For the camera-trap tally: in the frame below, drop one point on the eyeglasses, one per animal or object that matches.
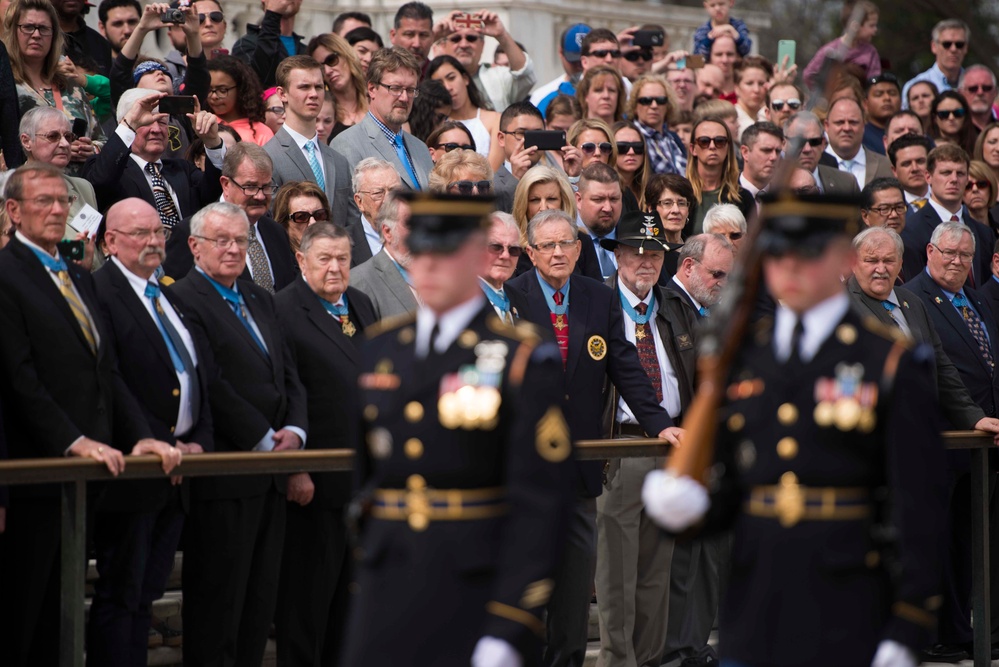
(944, 114)
(884, 210)
(624, 147)
(634, 56)
(29, 29)
(951, 255)
(48, 201)
(670, 203)
(215, 17)
(518, 133)
(221, 91)
(376, 195)
(647, 101)
(497, 249)
(733, 236)
(793, 104)
(252, 190)
(143, 234)
(717, 275)
(985, 88)
(278, 111)
(397, 91)
(704, 142)
(602, 148)
(549, 247)
(814, 142)
(953, 45)
(981, 185)
(242, 242)
(303, 217)
(452, 146)
(456, 39)
(471, 187)
(332, 60)
(54, 136)
(603, 53)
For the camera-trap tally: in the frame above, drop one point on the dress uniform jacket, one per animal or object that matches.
(432, 582)
(812, 462)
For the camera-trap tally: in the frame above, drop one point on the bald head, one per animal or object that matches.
(135, 236)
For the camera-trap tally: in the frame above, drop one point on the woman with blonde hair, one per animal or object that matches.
(980, 194)
(987, 147)
(462, 172)
(594, 141)
(632, 165)
(344, 78)
(651, 107)
(298, 205)
(713, 172)
(601, 94)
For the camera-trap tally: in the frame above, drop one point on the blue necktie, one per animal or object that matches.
(890, 307)
(317, 170)
(975, 327)
(400, 149)
(702, 311)
(182, 362)
(605, 258)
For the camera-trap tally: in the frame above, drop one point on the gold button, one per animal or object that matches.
(176, 392)
(371, 412)
(787, 448)
(383, 366)
(416, 483)
(418, 522)
(787, 414)
(468, 339)
(171, 429)
(736, 422)
(413, 411)
(846, 334)
(406, 335)
(413, 448)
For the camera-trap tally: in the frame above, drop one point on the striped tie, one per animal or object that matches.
(66, 288)
(258, 262)
(976, 328)
(164, 202)
(317, 170)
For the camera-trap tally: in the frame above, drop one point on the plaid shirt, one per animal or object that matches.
(394, 137)
(665, 152)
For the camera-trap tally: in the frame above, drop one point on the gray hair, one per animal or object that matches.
(388, 214)
(951, 24)
(35, 117)
(860, 239)
(721, 215)
(246, 151)
(951, 229)
(802, 117)
(976, 68)
(366, 165)
(221, 209)
(323, 230)
(129, 99)
(505, 219)
(549, 216)
(696, 246)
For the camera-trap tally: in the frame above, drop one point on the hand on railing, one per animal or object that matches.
(168, 454)
(672, 435)
(989, 425)
(106, 454)
(186, 448)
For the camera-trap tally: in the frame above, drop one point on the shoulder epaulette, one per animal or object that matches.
(894, 334)
(523, 331)
(390, 324)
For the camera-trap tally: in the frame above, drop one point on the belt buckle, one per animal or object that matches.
(417, 504)
(789, 500)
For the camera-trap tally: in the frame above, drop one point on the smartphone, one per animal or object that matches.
(546, 140)
(71, 250)
(177, 105)
(693, 62)
(786, 48)
(466, 21)
(80, 127)
(648, 38)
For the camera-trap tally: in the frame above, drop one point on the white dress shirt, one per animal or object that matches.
(944, 214)
(819, 323)
(267, 257)
(859, 167)
(450, 324)
(899, 314)
(371, 235)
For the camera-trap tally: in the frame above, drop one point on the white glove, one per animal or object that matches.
(493, 652)
(892, 654)
(675, 503)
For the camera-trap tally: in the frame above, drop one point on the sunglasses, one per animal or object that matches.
(634, 56)
(647, 101)
(497, 249)
(954, 45)
(54, 136)
(603, 53)
(456, 39)
(332, 60)
(451, 146)
(734, 236)
(704, 142)
(471, 187)
(974, 90)
(981, 185)
(793, 104)
(624, 147)
(302, 217)
(589, 148)
(944, 114)
(814, 142)
(216, 17)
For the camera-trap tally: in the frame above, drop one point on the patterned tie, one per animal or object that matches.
(647, 353)
(317, 170)
(66, 288)
(161, 195)
(400, 149)
(258, 262)
(561, 335)
(919, 203)
(975, 327)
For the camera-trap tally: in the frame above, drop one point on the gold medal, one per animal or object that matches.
(347, 326)
(824, 413)
(597, 347)
(868, 420)
(560, 322)
(847, 413)
(447, 411)
(639, 331)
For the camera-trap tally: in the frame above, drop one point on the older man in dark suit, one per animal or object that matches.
(324, 320)
(62, 396)
(138, 524)
(235, 530)
(504, 251)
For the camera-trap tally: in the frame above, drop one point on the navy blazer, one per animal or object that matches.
(594, 315)
(919, 226)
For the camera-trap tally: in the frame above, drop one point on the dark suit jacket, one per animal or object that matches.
(328, 366)
(746, 204)
(284, 269)
(54, 390)
(10, 141)
(360, 251)
(919, 226)
(587, 265)
(955, 401)
(252, 392)
(148, 371)
(594, 316)
(504, 187)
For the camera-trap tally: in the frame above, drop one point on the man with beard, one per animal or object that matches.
(978, 85)
(117, 20)
(882, 100)
(598, 200)
(412, 31)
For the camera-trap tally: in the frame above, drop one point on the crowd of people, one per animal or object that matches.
(196, 246)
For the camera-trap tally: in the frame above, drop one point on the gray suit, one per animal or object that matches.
(290, 164)
(955, 401)
(877, 166)
(836, 182)
(381, 281)
(504, 185)
(366, 139)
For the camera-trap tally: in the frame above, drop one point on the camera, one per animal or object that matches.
(175, 16)
(648, 38)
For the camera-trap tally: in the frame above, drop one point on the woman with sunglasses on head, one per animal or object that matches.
(651, 105)
(235, 97)
(344, 78)
(601, 94)
(297, 205)
(462, 172)
(713, 172)
(430, 108)
(273, 109)
(920, 101)
(449, 136)
(466, 107)
(631, 167)
(950, 121)
(980, 194)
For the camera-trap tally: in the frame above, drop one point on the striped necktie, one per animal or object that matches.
(66, 288)
(258, 262)
(161, 195)
(317, 170)
(975, 326)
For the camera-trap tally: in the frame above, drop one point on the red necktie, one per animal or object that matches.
(561, 325)
(647, 353)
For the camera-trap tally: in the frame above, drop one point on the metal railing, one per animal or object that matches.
(72, 474)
